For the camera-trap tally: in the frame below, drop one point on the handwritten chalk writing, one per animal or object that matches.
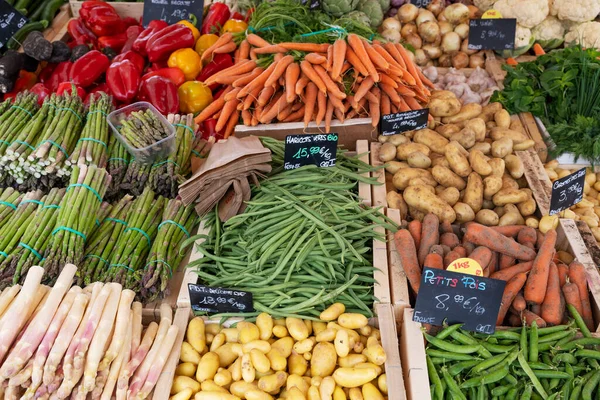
(392, 124)
(319, 150)
(219, 300)
(430, 277)
(423, 320)
(492, 34)
(10, 22)
(567, 191)
(172, 11)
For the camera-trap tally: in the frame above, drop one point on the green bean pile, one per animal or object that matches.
(519, 363)
(303, 242)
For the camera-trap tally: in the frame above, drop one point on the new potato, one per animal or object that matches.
(431, 139)
(427, 202)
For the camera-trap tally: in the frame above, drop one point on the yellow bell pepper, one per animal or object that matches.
(234, 26)
(195, 30)
(204, 42)
(186, 60)
(194, 96)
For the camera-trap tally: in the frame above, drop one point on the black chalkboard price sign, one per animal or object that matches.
(10, 22)
(458, 298)
(317, 149)
(567, 191)
(392, 124)
(173, 11)
(215, 300)
(492, 34)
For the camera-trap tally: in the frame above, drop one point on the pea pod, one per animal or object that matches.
(447, 331)
(567, 358)
(500, 390)
(461, 366)
(532, 377)
(533, 343)
(553, 336)
(485, 379)
(497, 348)
(447, 355)
(523, 342)
(435, 379)
(579, 321)
(456, 348)
(465, 338)
(487, 364)
(452, 386)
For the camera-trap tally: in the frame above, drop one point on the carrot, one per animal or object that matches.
(246, 117)
(338, 57)
(221, 41)
(468, 246)
(309, 101)
(315, 58)
(278, 104)
(301, 84)
(364, 88)
(529, 317)
(212, 108)
(390, 91)
(527, 237)
(228, 109)
(514, 320)
(492, 267)
(578, 276)
(279, 70)
(251, 98)
(462, 252)
(296, 115)
(512, 288)
(329, 62)
(414, 227)
(237, 69)
(226, 48)
(433, 260)
(328, 116)
(337, 103)
(538, 278)
(540, 238)
(512, 61)
(359, 49)
(445, 226)
(277, 56)
(253, 55)
(538, 50)
(386, 105)
(312, 75)
(482, 255)
(258, 81)
(571, 292)
(265, 95)
(292, 74)
(405, 245)
(563, 273)
(373, 95)
(424, 79)
(387, 57)
(270, 49)
(356, 62)
(329, 84)
(388, 80)
(230, 127)
(307, 47)
(451, 257)
(412, 103)
(393, 51)
(449, 239)
(256, 40)
(243, 81)
(484, 236)
(430, 235)
(322, 107)
(244, 51)
(231, 94)
(376, 58)
(410, 66)
(508, 230)
(553, 307)
(437, 249)
(505, 261)
(339, 114)
(508, 273)
(519, 303)
(405, 92)
(283, 114)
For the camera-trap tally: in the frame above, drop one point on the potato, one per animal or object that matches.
(223, 377)
(509, 183)
(185, 394)
(181, 383)
(488, 111)
(474, 192)
(484, 147)
(450, 195)
(323, 361)
(487, 204)
(395, 200)
(209, 364)
(397, 139)
(502, 119)
(423, 200)
(419, 160)
(283, 346)
(487, 217)
(265, 325)
(195, 335)
(404, 150)
(342, 343)
(375, 354)
(297, 381)
(272, 383)
(447, 130)
(354, 377)
(248, 332)
(261, 345)
(241, 388)
(186, 369)
(431, 139)
(511, 218)
(382, 383)
(394, 166)
(464, 213)
(532, 222)
(479, 163)
(489, 126)
(514, 165)
(467, 112)
(352, 321)
(416, 214)
(214, 396)
(297, 329)
(509, 196)
(498, 166)
(280, 331)
(457, 160)
(502, 147)
(260, 361)
(524, 145)
(527, 207)
(382, 139)
(387, 152)
(445, 177)
(403, 177)
(189, 354)
(491, 186)
(516, 136)
(444, 106)
(437, 159)
(326, 388)
(232, 334)
(351, 360)
(477, 125)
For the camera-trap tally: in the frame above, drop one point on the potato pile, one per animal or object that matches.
(464, 169)
(283, 358)
(588, 210)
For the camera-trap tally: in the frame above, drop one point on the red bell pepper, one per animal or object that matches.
(80, 33)
(130, 21)
(61, 73)
(139, 44)
(123, 79)
(161, 93)
(25, 81)
(135, 58)
(217, 15)
(115, 42)
(209, 130)
(88, 68)
(218, 94)
(165, 41)
(219, 63)
(175, 75)
(42, 92)
(157, 65)
(71, 88)
(101, 18)
(133, 32)
(238, 16)
(46, 72)
(101, 87)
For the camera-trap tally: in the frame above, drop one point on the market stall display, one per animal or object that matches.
(470, 86)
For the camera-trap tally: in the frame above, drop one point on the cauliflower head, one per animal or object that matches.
(528, 13)
(550, 33)
(523, 42)
(586, 34)
(575, 10)
(484, 5)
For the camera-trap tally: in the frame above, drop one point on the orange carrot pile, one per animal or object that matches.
(539, 285)
(351, 78)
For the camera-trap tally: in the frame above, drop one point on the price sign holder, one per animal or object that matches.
(458, 298)
(172, 11)
(213, 300)
(392, 124)
(317, 149)
(492, 34)
(10, 22)
(567, 191)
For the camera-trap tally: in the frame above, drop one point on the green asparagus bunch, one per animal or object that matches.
(9, 199)
(142, 129)
(5, 105)
(128, 256)
(177, 223)
(102, 242)
(34, 241)
(118, 162)
(77, 217)
(136, 177)
(14, 118)
(92, 146)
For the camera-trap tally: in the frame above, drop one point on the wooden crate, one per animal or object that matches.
(532, 130)
(412, 345)
(399, 287)
(60, 20)
(151, 311)
(124, 9)
(590, 241)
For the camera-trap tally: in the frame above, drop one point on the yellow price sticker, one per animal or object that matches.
(491, 14)
(466, 266)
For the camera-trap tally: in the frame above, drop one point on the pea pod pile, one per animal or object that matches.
(303, 242)
(556, 362)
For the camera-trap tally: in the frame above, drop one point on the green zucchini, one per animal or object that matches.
(15, 42)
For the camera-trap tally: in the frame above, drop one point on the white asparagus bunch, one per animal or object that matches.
(66, 342)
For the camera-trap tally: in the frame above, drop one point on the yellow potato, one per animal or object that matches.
(477, 126)
(195, 334)
(509, 196)
(259, 360)
(223, 377)
(532, 222)
(596, 233)
(296, 328)
(355, 394)
(323, 361)
(280, 331)
(227, 354)
(326, 388)
(431, 139)
(465, 137)
(394, 166)
(354, 377)
(265, 325)
(552, 175)
(382, 383)
(296, 394)
(457, 160)
(509, 183)
(444, 107)
(313, 393)
(342, 343)
(447, 130)
(450, 195)
(502, 147)
(406, 149)
(241, 388)
(236, 369)
(262, 345)
(438, 159)
(487, 217)
(351, 360)
(297, 381)
(218, 341)
(397, 139)
(352, 320)
(488, 111)
(305, 345)
(402, 178)
(328, 335)
(248, 370)
(527, 207)
(272, 383)
(498, 166)
(548, 222)
(491, 186)
(511, 218)
(464, 213)
(189, 354)
(479, 163)
(418, 160)
(424, 201)
(396, 201)
(276, 360)
(502, 119)
(339, 394)
(446, 177)
(332, 312)
(258, 395)
(516, 136)
(186, 369)
(467, 112)
(185, 394)
(298, 365)
(375, 354)
(387, 152)
(215, 396)
(181, 383)
(248, 332)
(284, 346)
(514, 165)
(484, 147)
(232, 335)
(524, 145)
(473, 195)
(208, 366)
